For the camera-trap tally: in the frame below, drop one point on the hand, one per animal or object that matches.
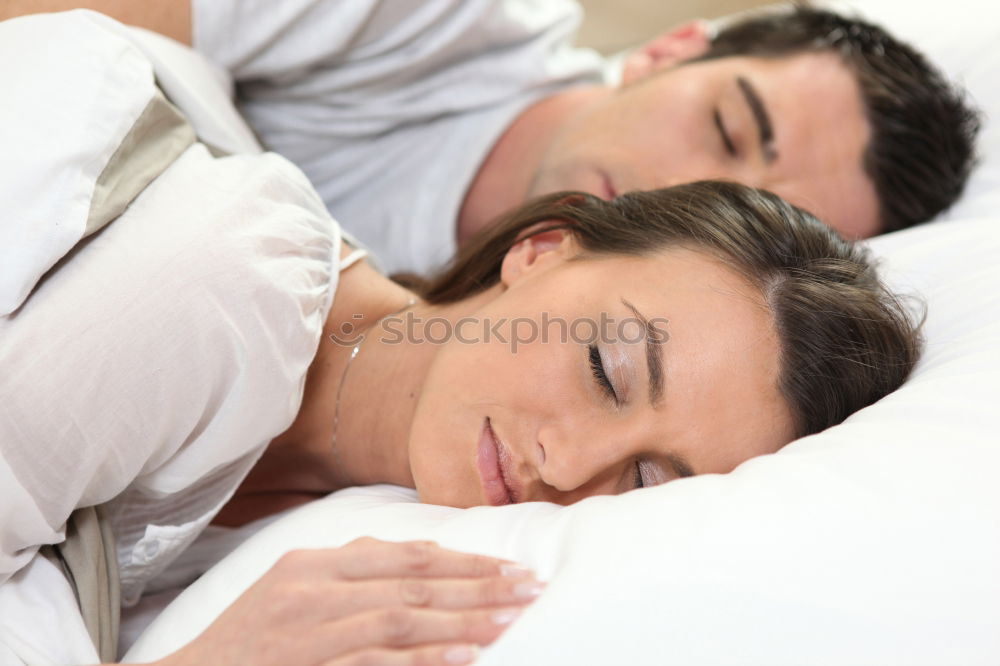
(369, 602)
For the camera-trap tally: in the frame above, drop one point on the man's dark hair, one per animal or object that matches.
(921, 147)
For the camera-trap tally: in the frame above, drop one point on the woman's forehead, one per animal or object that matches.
(720, 357)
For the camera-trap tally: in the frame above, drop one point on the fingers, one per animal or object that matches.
(369, 602)
(371, 558)
(398, 628)
(458, 594)
(446, 594)
(434, 655)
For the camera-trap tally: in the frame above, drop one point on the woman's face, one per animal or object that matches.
(603, 403)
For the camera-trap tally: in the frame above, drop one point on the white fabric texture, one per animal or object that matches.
(63, 146)
(192, 83)
(390, 106)
(156, 362)
(40, 621)
(173, 345)
(86, 118)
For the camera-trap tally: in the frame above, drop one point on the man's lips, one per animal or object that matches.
(491, 460)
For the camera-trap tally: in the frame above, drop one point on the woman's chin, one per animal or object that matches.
(429, 496)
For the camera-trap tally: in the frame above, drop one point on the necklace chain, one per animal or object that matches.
(338, 463)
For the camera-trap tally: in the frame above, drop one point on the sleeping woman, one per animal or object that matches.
(688, 330)
(585, 347)
(218, 354)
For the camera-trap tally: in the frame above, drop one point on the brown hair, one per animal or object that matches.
(923, 131)
(845, 340)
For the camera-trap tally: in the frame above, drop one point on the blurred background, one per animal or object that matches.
(613, 25)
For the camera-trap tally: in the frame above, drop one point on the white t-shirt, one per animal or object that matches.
(390, 106)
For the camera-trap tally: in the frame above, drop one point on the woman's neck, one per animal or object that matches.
(383, 387)
(377, 397)
(368, 450)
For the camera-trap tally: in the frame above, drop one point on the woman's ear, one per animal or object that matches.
(686, 41)
(529, 254)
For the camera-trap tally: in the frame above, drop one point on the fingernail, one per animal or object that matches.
(461, 654)
(515, 571)
(505, 616)
(528, 590)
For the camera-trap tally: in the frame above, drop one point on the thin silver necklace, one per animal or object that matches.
(340, 389)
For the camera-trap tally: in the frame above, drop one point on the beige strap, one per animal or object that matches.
(158, 137)
(89, 561)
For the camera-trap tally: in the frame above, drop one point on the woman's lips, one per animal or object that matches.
(491, 472)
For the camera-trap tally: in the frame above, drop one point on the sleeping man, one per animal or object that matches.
(418, 123)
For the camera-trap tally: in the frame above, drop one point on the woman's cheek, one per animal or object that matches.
(441, 452)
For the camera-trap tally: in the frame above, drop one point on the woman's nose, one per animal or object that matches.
(580, 462)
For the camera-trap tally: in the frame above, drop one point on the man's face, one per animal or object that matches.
(795, 126)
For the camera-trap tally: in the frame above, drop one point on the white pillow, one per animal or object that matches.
(875, 542)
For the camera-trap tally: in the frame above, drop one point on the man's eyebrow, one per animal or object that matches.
(760, 115)
(654, 357)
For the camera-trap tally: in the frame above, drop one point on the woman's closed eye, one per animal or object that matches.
(600, 375)
(648, 473)
(638, 483)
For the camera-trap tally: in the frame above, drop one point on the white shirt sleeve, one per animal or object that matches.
(390, 106)
(261, 39)
(169, 345)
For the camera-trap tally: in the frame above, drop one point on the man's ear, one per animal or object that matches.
(528, 254)
(686, 41)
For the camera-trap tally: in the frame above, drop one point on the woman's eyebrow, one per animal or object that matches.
(762, 118)
(654, 357)
(654, 363)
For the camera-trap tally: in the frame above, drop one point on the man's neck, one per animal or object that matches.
(504, 179)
